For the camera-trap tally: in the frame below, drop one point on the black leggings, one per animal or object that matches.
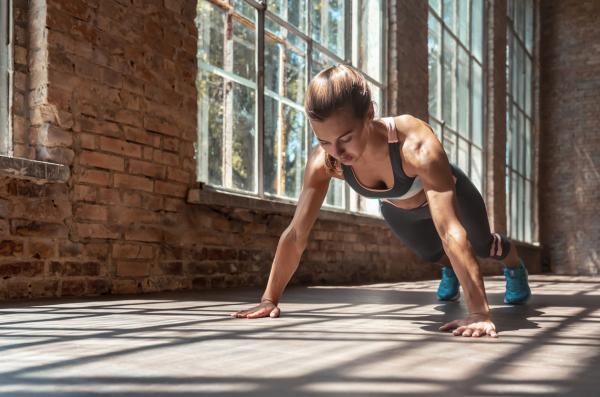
(415, 228)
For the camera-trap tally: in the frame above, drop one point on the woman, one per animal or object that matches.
(430, 204)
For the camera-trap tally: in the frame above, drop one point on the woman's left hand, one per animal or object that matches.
(475, 325)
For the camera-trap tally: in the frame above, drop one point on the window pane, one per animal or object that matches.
(450, 146)
(528, 218)
(462, 100)
(367, 32)
(513, 206)
(449, 80)
(210, 128)
(243, 133)
(477, 168)
(211, 25)
(527, 86)
(463, 22)
(529, 25)
(294, 155)
(515, 138)
(477, 28)
(327, 19)
(292, 11)
(335, 193)
(477, 99)
(527, 148)
(320, 62)
(271, 145)
(437, 128)
(463, 155)
(433, 45)
(448, 14)
(436, 5)
(243, 51)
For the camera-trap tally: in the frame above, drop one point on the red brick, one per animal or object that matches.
(120, 147)
(125, 215)
(133, 269)
(94, 230)
(170, 189)
(91, 212)
(148, 169)
(133, 182)
(102, 160)
(84, 193)
(176, 174)
(95, 177)
(132, 251)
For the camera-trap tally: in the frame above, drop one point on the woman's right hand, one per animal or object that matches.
(264, 309)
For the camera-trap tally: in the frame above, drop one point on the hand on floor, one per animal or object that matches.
(475, 325)
(262, 310)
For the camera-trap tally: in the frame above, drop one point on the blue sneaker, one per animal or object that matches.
(448, 288)
(517, 287)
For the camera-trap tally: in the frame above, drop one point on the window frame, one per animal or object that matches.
(262, 13)
(468, 48)
(518, 175)
(6, 75)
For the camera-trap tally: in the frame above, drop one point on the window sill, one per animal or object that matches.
(33, 169)
(209, 195)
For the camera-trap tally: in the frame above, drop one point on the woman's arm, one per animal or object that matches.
(294, 239)
(428, 158)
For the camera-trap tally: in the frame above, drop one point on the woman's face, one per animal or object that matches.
(342, 135)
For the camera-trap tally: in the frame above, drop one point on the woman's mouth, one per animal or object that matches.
(345, 159)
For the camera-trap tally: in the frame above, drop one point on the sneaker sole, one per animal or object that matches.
(452, 299)
(518, 302)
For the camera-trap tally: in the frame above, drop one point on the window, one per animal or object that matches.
(244, 151)
(519, 119)
(455, 46)
(5, 75)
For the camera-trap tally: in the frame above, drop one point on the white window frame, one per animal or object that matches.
(348, 204)
(6, 77)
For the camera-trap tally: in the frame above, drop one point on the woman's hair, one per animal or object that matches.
(336, 87)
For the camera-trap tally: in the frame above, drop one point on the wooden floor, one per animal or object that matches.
(371, 340)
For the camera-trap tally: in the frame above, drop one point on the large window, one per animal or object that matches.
(5, 75)
(456, 89)
(519, 119)
(255, 140)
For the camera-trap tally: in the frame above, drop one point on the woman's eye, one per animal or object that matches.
(346, 140)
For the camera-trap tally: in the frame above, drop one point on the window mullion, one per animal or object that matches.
(260, 97)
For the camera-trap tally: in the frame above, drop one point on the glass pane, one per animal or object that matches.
(244, 8)
(477, 29)
(513, 206)
(477, 101)
(528, 85)
(211, 25)
(527, 216)
(437, 128)
(294, 154)
(463, 22)
(320, 62)
(448, 14)
(515, 138)
(527, 148)
(327, 19)
(521, 161)
(520, 18)
(434, 59)
(366, 31)
(463, 155)
(243, 51)
(436, 5)
(210, 128)
(243, 134)
(271, 145)
(521, 196)
(462, 97)
(529, 25)
(370, 206)
(449, 80)
(450, 146)
(477, 168)
(377, 98)
(508, 189)
(284, 50)
(335, 193)
(292, 11)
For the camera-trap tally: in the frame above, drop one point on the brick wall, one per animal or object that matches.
(570, 143)
(107, 88)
